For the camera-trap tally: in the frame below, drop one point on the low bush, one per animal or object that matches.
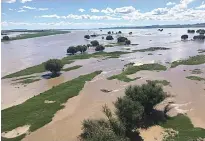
(99, 48)
(109, 37)
(94, 43)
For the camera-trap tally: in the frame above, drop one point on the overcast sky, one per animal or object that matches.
(40, 14)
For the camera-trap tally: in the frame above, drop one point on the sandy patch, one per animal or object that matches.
(48, 102)
(154, 133)
(16, 132)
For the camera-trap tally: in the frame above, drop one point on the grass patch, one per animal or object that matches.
(24, 78)
(133, 69)
(195, 60)
(72, 68)
(38, 34)
(163, 82)
(195, 78)
(196, 71)
(35, 112)
(201, 50)
(186, 130)
(66, 60)
(151, 49)
(109, 45)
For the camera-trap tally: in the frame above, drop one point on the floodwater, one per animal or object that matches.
(189, 95)
(20, 54)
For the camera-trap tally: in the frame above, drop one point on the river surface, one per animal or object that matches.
(20, 54)
(189, 95)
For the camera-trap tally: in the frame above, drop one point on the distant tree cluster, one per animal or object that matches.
(133, 111)
(123, 40)
(87, 36)
(109, 37)
(190, 31)
(184, 37)
(74, 49)
(6, 38)
(201, 31)
(94, 43)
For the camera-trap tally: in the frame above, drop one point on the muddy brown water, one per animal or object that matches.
(66, 124)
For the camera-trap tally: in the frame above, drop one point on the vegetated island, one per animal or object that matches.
(31, 34)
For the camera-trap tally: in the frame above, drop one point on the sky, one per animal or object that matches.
(78, 14)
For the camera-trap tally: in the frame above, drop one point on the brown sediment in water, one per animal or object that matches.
(66, 124)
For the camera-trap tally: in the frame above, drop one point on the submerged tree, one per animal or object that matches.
(121, 39)
(54, 66)
(109, 37)
(72, 50)
(127, 42)
(87, 36)
(184, 37)
(6, 38)
(82, 48)
(94, 43)
(99, 48)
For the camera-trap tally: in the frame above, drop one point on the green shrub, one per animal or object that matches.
(109, 37)
(99, 48)
(129, 112)
(109, 32)
(127, 42)
(82, 48)
(94, 43)
(148, 95)
(130, 33)
(6, 38)
(184, 37)
(87, 36)
(121, 39)
(53, 65)
(72, 50)
(120, 32)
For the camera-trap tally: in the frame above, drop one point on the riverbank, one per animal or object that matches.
(36, 34)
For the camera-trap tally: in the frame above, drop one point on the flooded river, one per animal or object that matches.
(189, 95)
(20, 54)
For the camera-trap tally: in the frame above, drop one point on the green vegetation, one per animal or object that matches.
(109, 45)
(195, 78)
(5, 38)
(66, 60)
(109, 37)
(133, 69)
(72, 50)
(151, 49)
(28, 81)
(99, 48)
(94, 43)
(163, 82)
(72, 68)
(54, 66)
(201, 50)
(196, 71)
(195, 60)
(132, 112)
(35, 112)
(24, 78)
(186, 131)
(38, 34)
(184, 37)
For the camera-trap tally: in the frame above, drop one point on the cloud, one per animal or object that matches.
(107, 10)
(80, 17)
(42, 9)
(24, 1)
(10, 9)
(81, 10)
(9, 1)
(170, 3)
(93, 10)
(21, 10)
(125, 10)
(160, 11)
(28, 7)
(202, 6)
